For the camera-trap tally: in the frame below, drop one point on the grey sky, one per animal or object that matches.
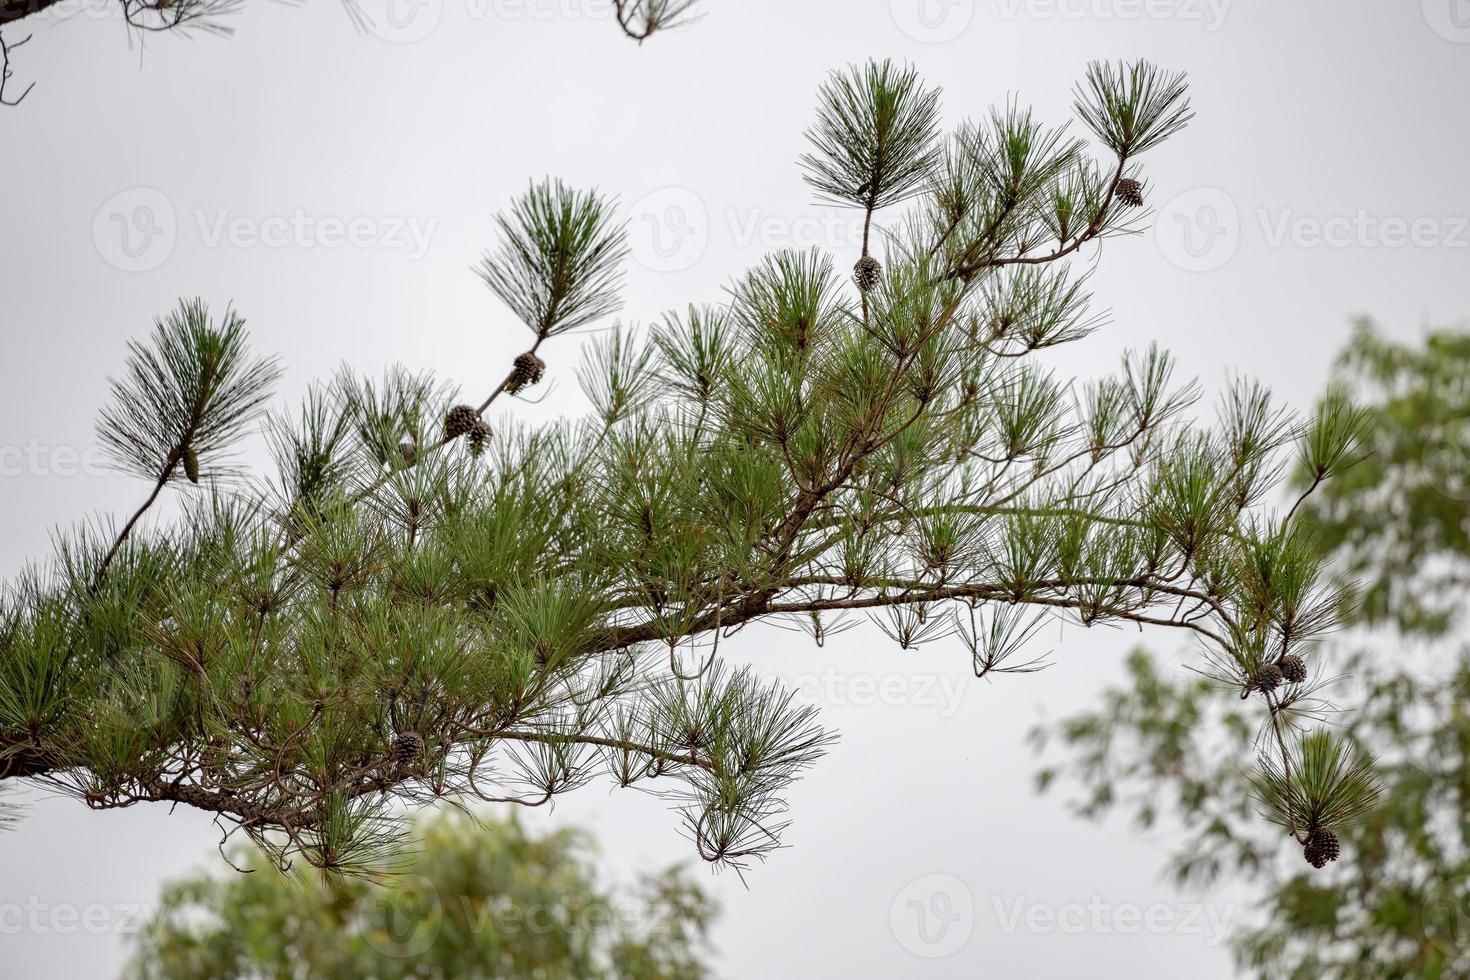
(336, 187)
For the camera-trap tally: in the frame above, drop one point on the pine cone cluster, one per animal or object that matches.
(1293, 668)
(1269, 678)
(867, 272)
(460, 421)
(1130, 192)
(1322, 847)
(527, 371)
(478, 436)
(407, 748)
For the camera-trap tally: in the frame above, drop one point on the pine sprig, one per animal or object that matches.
(1132, 107)
(559, 263)
(1322, 782)
(195, 387)
(876, 137)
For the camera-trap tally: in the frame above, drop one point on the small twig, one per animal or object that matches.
(5, 48)
(137, 515)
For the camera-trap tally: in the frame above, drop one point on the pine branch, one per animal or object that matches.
(416, 608)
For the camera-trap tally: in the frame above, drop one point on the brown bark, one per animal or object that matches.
(14, 10)
(23, 764)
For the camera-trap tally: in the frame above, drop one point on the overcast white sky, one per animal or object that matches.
(336, 187)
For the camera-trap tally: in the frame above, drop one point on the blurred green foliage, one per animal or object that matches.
(475, 898)
(1170, 746)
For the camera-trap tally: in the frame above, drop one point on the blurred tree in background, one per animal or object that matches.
(477, 898)
(1398, 905)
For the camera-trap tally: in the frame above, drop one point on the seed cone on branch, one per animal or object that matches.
(478, 436)
(867, 272)
(407, 748)
(1130, 192)
(191, 464)
(1322, 847)
(460, 421)
(528, 371)
(1322, 781)
(1268, 678)
(1293, 668)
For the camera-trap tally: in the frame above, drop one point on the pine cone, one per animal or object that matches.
(409, 451)
(1322, 847)
(407, 748)
(191, 464)
(867, 272)
(460, 421)
(1293, 668)
(1268, 678)
(527, 371)
(1130, 192)
(479, 435)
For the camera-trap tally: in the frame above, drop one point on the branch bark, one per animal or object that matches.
(16, 10)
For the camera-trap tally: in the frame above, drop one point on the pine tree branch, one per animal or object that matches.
(6, 47)
(127, 529)
(12, 11)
